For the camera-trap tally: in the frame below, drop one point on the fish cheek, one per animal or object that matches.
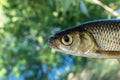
(76, 43)
(88, 43)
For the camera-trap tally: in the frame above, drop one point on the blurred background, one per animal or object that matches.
(25, 26)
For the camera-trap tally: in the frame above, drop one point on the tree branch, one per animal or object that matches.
(106, 7)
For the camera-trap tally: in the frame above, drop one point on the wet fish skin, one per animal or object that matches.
(98, 39)
(106, 33)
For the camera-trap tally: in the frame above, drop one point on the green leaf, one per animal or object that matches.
(83, 8)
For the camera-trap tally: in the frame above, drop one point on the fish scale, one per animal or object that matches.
(106, 34)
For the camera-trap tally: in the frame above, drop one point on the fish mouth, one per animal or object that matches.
(53, 46)
(52, 43)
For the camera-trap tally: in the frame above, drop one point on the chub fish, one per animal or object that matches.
(96, 39)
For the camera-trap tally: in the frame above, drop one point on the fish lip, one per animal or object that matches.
(51, 42)
(52, 45)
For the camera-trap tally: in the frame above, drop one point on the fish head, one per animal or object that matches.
(73, 42)
(66, 42)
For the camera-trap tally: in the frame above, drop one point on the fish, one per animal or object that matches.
(94, 39)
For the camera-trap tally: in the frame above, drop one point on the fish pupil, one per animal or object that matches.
(66, 38)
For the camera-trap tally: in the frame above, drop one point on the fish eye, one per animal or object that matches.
(67, 40)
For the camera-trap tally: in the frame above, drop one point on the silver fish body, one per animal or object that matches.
(98, 39)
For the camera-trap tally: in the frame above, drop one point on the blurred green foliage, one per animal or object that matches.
(25, 53)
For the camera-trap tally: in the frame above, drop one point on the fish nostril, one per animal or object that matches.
(50, 40)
